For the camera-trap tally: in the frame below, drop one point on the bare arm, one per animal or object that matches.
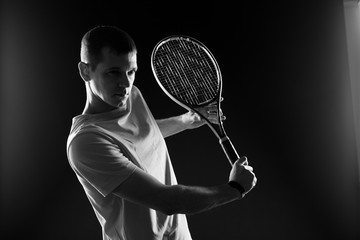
(189, 120)
(143, 189)
(173, 125)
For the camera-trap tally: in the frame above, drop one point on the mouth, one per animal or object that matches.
(121, 95)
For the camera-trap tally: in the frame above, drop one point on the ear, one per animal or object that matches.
(84, 71)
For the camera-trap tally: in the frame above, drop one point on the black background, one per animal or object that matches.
(287, 102)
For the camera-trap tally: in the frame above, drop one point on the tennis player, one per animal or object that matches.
(118, 153)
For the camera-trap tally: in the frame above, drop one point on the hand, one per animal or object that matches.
(243, 174)
(212, 114)
(193, 120)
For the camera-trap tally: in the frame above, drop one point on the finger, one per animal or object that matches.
(214, 112)
(249, 168)
(212, 109)
(243, 160)
(255, 180)
(213, 120)
(191, 112)
(196, 116)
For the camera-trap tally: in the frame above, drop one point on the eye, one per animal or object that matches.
(132, 72)
(113, 73)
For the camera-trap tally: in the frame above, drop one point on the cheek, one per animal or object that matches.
(101, 89)
(98, 88)
(105, 85)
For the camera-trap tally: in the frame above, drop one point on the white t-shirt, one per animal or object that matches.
(104, 150)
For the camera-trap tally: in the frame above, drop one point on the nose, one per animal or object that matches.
(124, 81)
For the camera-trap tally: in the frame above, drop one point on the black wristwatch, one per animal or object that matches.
(238, 187)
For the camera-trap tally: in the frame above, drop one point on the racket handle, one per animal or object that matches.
(229, 150)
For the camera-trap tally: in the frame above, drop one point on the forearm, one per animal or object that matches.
(171, 199)
(171, 126)
(192, 200)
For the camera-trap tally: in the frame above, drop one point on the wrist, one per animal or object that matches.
(238, 187)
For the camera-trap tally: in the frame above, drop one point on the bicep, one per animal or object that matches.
(142, 188)
(99, 161)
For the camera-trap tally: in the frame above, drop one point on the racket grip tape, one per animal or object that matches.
(229, 150)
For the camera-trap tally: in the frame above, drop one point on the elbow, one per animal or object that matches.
(173, 204)
(171, 208)
(168, 211)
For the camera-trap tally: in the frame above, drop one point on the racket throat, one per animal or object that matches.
(229, 149)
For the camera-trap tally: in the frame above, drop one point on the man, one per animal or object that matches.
(119, 155)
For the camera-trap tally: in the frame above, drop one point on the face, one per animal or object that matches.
(112, 80)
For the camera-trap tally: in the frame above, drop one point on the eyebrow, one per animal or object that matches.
(113, 68)
(119, 68)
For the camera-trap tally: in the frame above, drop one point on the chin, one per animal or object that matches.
(122, 104)
(118, 103)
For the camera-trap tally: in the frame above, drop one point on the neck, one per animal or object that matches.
(94, 104)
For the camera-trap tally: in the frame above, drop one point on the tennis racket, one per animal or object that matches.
(189, 74)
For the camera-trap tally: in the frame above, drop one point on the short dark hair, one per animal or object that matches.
(99, 37)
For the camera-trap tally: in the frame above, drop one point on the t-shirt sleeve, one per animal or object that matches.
(99, 161)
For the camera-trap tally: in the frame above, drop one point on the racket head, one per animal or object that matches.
(187, 71)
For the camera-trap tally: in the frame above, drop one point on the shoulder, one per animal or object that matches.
(87, 140)
(135, 91)
(89, 146)
(84, 134)
(137, 96)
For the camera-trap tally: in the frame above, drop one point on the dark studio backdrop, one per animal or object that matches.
(287, 102)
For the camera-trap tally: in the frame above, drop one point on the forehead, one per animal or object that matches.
(110, 59)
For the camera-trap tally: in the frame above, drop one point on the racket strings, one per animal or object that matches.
(186, 71)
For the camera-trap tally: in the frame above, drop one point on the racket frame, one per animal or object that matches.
(218, 129)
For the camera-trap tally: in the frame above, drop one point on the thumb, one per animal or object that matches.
(243, 160)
